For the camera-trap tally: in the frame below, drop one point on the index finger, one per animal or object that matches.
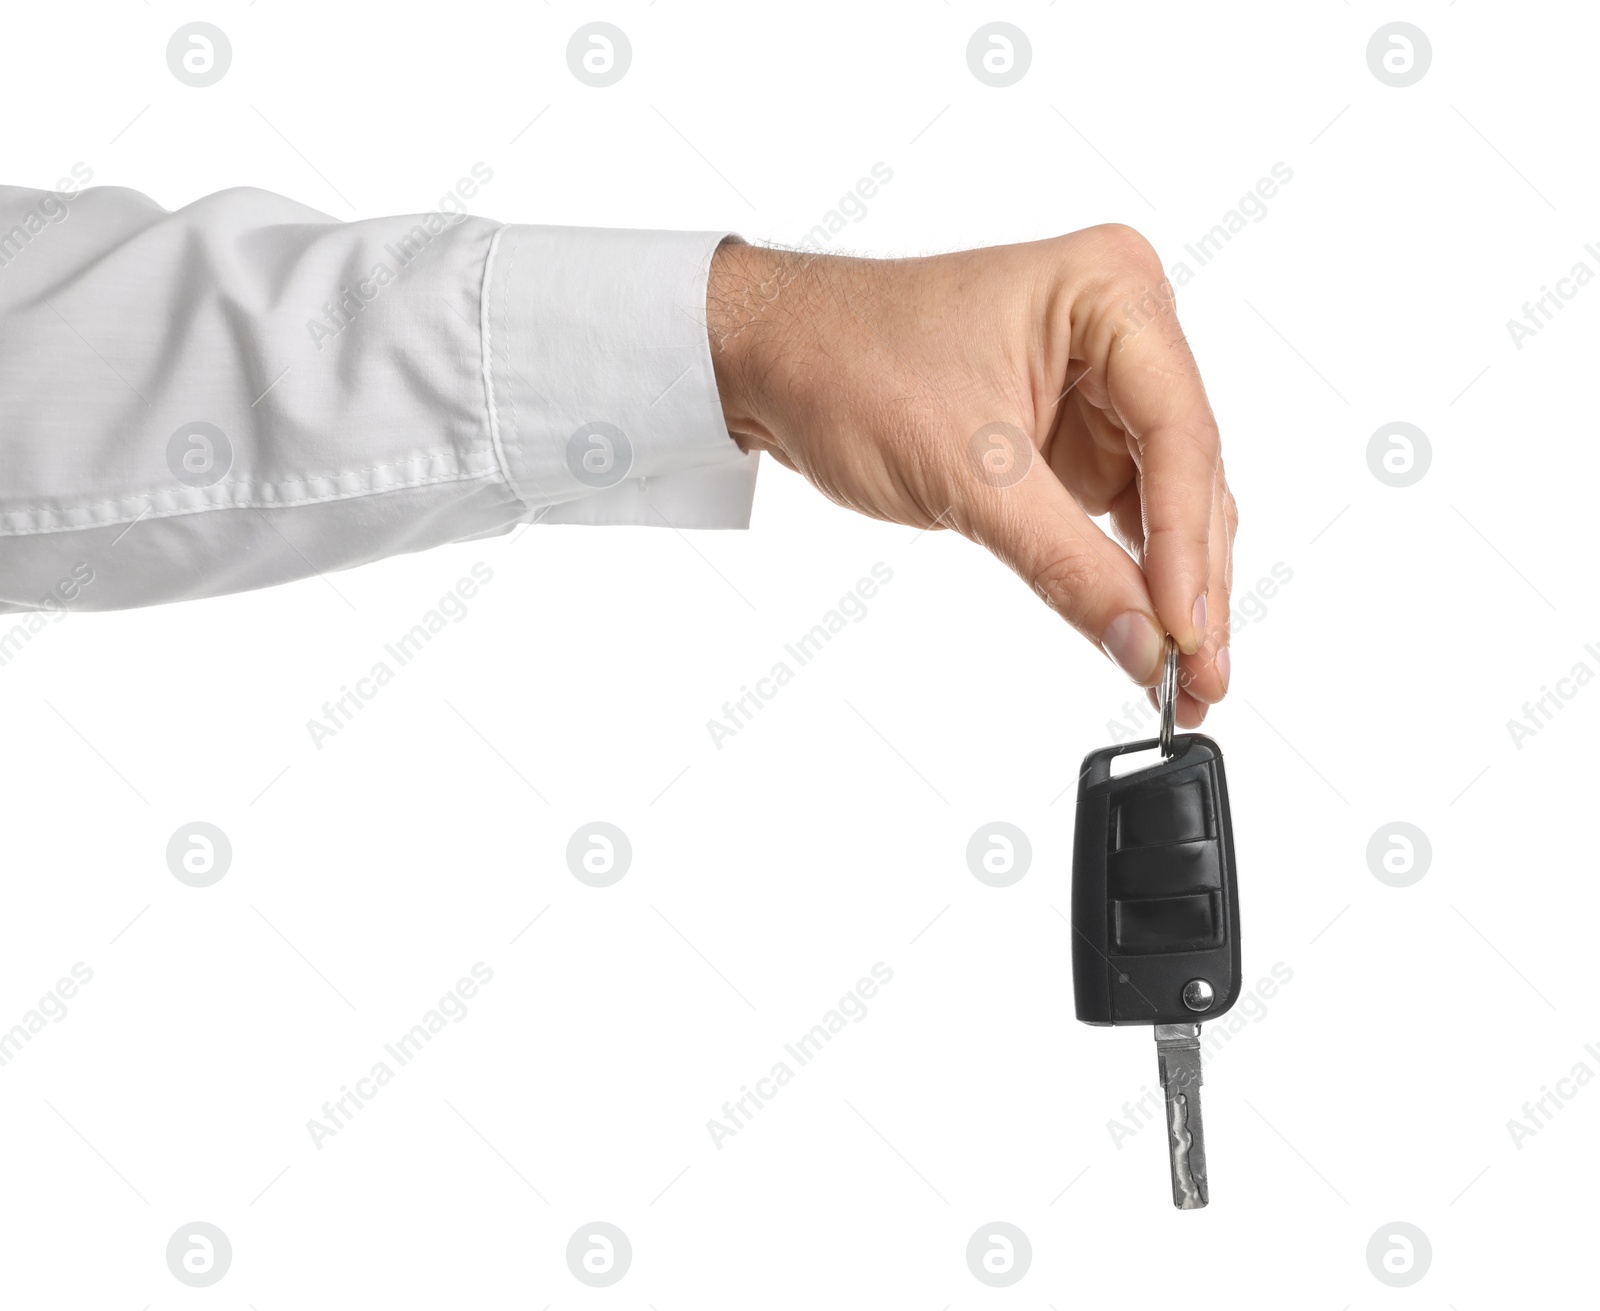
(1154, 386)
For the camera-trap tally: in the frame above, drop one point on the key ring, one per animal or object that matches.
(1168, 698)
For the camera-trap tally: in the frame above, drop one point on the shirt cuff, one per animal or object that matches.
(602, 397)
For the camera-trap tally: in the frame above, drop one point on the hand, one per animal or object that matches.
(1009, 393)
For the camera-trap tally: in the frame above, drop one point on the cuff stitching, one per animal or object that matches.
(486, 332)
(53, 514)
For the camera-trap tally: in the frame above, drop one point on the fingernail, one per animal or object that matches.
(1133, 642)
(1199, 617)
(1224, 667)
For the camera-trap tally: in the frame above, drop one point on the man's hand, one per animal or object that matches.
(1009, 393)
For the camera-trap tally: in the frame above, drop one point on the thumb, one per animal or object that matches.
(1037, 528)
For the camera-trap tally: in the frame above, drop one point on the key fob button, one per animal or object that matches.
(1166, 924)
(1175, 812)
(1166, 871)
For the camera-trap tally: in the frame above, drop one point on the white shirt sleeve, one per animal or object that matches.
(246, 391)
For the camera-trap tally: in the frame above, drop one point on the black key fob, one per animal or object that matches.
(1155, 901)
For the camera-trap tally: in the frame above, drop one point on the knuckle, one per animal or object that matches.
(1197, 439)
(1068, 583)
(1175, 537)
(1230, 512)
(1126, 250)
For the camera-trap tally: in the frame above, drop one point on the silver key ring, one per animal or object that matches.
(1168, 698)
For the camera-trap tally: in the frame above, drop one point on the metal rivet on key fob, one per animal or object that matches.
(1155, 912)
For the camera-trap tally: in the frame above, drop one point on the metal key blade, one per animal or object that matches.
(1178, 1058)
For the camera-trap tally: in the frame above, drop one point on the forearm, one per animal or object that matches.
(245, 391)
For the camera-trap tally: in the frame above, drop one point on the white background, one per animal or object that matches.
(368, 876)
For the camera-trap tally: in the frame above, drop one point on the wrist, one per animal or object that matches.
(752, 320)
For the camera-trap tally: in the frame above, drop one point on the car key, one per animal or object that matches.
(1155, 912)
